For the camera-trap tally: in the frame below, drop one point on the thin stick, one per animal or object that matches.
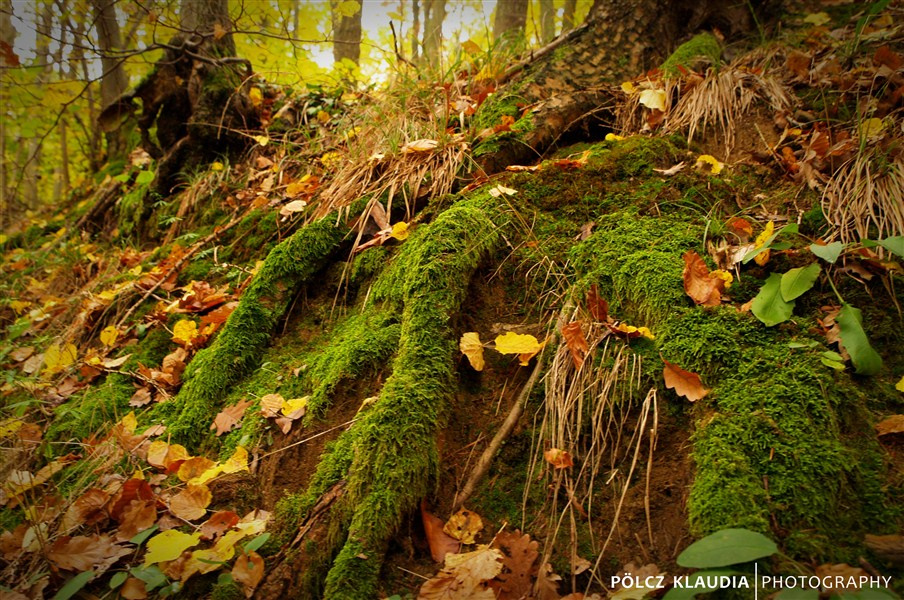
(486, 459)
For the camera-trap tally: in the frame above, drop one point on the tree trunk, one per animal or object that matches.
(547, 21)
(415, 31)
(434, 15)
(203, 18)
(8, 38)
(568, 15)
(114, 80)
(511, 17)
(346, 34)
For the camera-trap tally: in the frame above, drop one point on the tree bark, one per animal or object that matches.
(114, 80)
(434, 15)
(510, 19)
(568, 15)
(346, 34)
(547, 21)
(415, 31)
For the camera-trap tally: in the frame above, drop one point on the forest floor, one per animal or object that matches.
(281, 378)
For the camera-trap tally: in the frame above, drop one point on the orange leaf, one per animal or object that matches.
(560, 459)
(892, 424)
(133, 489)
(229, 417)
(191, 503)
(218, 523)
(439, 541)
(699, 283)
(684, 383)
(576, 342)
(248, 570)
(135, 518)
(599, 308)
(133, 589)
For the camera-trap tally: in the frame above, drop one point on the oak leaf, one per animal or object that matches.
(684, 383)
(520, 554)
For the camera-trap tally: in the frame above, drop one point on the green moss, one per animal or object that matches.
(98, 406)
(238, 347)
(636, 262)
(702, 46)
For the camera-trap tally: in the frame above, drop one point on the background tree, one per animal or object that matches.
(114, 80)
(346, 17)
(510, 18)
(434, 15)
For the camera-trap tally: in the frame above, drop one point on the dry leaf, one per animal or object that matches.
(87, 507)
(248, 570)
(471, 346)
(194, 467)
(464, 525)
(702, 286)
(218, 523)
(598, 308)
(501, 190)
(684, 383)
(292, 207)
(228, 419)
(673, 170)
(463, 577)
(890, 425)
(439, 541)
(84, 553)
(576, 342)
(132, 489)
(191, 503)
(519, 555)
(135, 518)
(21, 354)
(133, 589)
(419, 146)
(560, 459)
(271, 404)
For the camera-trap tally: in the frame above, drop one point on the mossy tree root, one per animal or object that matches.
(237, 348)
(389, 459)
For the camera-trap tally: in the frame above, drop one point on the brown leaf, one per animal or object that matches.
(132, 489)
(133, 589)
(887, 57)
(20, 354)
(218, 523)
(740, 227)
(560, 459)
(141, 397)
(599, 308)
(135, 518)
(799, 64)
(464, 525)
(576, 342)
(87, 507)
(228, 419)
(684, 383)
(699, 284)
(83, 553)
(463, 577)
(887, 547)
(890, 425)
(271, 405)
(219, 316)
(11, 542)
(248, 570)
(518, 568)
(191, 503)
(547, 586)
(439, 541)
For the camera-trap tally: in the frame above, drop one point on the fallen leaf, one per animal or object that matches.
(138, 516)
(168, 545)
(560, 459)
(576, 342)
(464, 526)
(440, 542)
(516, 343)
(654, 99)
(87, 507)
(132, 489)
(109, 335)
(228, 419)
(463, 577)
(523, 169)
(248, 570)
(133, 588)
(673, 170)
(471, 346)
(194, 467)
(21, 354)
(185, 332)
(501, 190)
(292, 207)
(890, 425)
(423, 145)
(85, 553)
(271, 404)
(703, 287)
(705, 160)
(599, 308)
(519, 555)
(191, 503)
(684, 383)
(218, 523)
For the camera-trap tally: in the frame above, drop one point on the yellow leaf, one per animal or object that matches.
(10, 426)
(237, 462)
(323, 116)
(644, 331)
(611, 137)
(715, 167)
(400, 231)
(464, 526)
(185, 331)
(331, 159)
(723, 275)
(653, 99)
(169, 545)
(872, 127)
(763, 257)
(19, 306)
(295, 404)
(470, 47)
(217, 165)
(817, 19)
(56, 359)
(900, 385)
(108, 335)
(347, 8)
(471, 347)
(262, 140)
(628, 87)
(515, 343)
(129, 423)
(257, 97)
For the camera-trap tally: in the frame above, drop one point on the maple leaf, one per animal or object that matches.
(464, 525)
(228, 419)
(576, 342)
(191, 503)
(471, 346)
(703, 287)
(684, 383)
(248, 570)
(84, 553)
(560, 459)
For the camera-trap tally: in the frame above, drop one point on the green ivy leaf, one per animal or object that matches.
(769, 306)
(850, 321)
(829, 252)
(798, 281)
(727, 547)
